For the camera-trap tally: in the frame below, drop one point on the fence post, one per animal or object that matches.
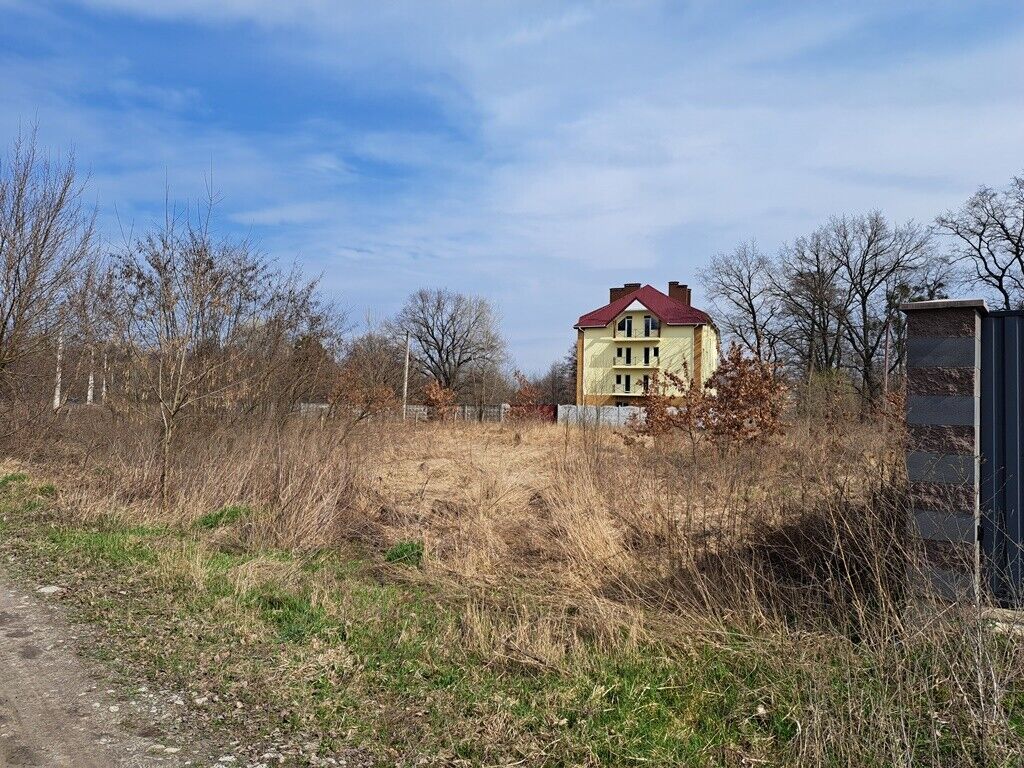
(944, 440)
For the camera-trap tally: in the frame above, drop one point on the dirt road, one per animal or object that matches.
(57, 709)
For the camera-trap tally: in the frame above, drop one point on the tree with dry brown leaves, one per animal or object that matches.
(667, 413)
(440, 400)
(748, 401)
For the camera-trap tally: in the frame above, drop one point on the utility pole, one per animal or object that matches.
(405, 379)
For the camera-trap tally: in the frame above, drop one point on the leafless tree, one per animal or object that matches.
(988, 232)
(808, 284)
(485, 383)
(879, 260)
(380, 360)
(453, 334)
(46, 238)
(557, 385)
(206, 322)
(747, 306)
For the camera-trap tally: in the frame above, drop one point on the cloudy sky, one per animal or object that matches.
(532, 152)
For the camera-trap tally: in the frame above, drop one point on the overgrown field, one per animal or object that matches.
(523, 594)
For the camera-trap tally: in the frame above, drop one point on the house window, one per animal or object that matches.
(651, 325)
(626, 325)
(618, 379)
(655, 351)
(618, 351)
(629, 355)
(647, 355)
(627, 382)
(647, 382)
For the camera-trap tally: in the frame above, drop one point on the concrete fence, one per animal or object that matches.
(944, 440)
(965, 455)
(593, 415)
(599, 415)
(480, 413)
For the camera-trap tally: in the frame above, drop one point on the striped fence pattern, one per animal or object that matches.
(944, 440)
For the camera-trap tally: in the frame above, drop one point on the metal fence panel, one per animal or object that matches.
(1002, 489)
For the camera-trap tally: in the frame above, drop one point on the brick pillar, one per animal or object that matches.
(943, 448)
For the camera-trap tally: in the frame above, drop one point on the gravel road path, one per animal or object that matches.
(57, 709)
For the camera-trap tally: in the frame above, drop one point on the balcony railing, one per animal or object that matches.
(636, 362)
(637, 334)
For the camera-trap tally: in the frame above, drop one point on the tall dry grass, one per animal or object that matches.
(561, 539)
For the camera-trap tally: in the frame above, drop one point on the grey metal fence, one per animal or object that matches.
(1002, 441)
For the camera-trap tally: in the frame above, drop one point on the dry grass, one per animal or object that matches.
(787, 565)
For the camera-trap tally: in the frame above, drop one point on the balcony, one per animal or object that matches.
(620, 362)
(619, 336)
(620, 389)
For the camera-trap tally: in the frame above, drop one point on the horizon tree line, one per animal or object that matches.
(180, 319)
(826, 305)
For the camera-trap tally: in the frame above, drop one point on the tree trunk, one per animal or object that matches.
(60, 363)
(165, 463)
(103, 380)
(92, 375)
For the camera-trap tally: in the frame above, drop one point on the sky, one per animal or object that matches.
(535, 153)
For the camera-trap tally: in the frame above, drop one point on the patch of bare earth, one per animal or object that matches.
(58, 709)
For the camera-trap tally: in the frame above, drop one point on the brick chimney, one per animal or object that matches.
(618, 293)
(679, 292)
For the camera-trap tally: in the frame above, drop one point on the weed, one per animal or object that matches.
(405, 553)
(222, 517)
(12, 479)
(745, 610)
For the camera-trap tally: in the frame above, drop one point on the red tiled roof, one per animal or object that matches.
(670, 311)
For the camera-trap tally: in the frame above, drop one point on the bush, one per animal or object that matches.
(440, 401)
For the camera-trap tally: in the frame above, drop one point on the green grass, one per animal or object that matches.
(15, 478)
(405, 553)
(293, 615)
(114, 547)
(331, 643)
(222, 517)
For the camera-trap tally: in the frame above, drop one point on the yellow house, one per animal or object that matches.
(641, 330)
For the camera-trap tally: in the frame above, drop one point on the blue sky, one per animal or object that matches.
(532, 152)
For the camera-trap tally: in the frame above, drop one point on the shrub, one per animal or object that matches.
(440, 400)
(665, 414)
(748, 402)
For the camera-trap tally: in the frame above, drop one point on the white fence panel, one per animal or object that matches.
(600, 415)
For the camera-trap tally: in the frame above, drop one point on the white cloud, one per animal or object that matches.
(589, 143)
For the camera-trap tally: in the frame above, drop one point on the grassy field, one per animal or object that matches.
(483, 595)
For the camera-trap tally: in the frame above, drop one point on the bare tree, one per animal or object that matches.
(46, 237)
(454, 334)
(879, 260)
(206, 323)
(814, 301)
(989, 234)
(747, 307)
(371, 376)
(558, 384)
